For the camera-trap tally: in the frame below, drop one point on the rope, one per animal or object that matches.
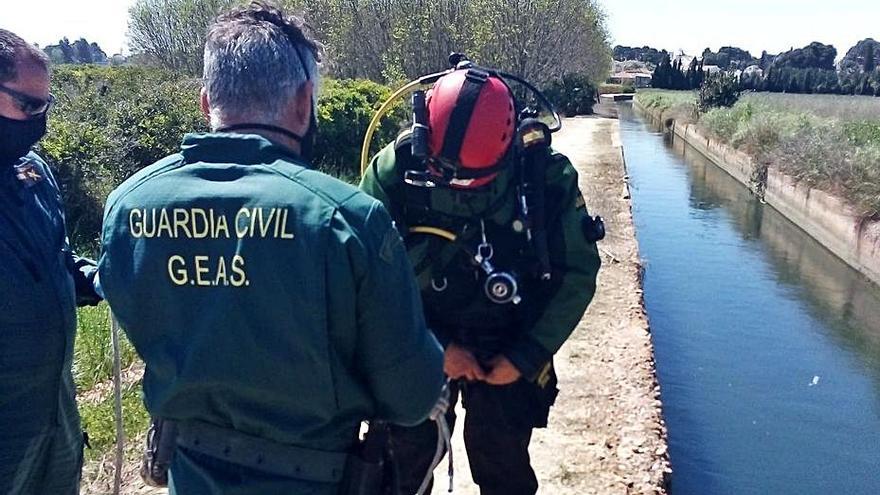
(117, 405)
(444, 443)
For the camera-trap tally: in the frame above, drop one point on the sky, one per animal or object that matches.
(691, 25)
(754, 25)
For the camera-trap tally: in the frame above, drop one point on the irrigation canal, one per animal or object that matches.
(767, 345)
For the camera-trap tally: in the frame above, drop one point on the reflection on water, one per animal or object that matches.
(768, 346)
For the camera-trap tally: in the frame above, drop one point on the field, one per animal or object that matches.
(830, 142)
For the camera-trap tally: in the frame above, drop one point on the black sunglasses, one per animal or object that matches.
(33, 107)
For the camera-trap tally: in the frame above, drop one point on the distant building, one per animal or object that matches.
(753, 70)
(635, 79)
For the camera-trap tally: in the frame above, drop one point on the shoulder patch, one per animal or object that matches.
(28, 173)
(389, 244)
(580, 202)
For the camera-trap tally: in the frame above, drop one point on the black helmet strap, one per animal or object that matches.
(460, 118)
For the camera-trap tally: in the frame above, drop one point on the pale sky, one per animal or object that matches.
(755, 25)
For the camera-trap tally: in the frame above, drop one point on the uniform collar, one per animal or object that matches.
(242, 149)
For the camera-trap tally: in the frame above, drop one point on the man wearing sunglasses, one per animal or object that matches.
(41, 282)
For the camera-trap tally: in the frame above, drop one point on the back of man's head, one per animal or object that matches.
(256, 59)
(14, 51)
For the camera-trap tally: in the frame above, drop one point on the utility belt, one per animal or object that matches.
(261, 454)
(366, 471)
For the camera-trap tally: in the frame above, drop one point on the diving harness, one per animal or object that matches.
(529, 154)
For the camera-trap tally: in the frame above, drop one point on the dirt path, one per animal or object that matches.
(606, 434)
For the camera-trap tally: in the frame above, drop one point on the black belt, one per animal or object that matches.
(261, 454)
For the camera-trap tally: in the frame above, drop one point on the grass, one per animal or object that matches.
(93, 368)
(99, 421)
(93, 356)
(829, 142)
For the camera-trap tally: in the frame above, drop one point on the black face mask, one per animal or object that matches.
(18, 136)
(306, 141)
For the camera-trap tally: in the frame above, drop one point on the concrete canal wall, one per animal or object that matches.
(829, 219)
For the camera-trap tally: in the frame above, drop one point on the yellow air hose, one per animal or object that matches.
(424, 82)
(384, 109)
(424, 229)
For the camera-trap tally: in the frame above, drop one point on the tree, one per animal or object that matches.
(80, 52)
(813, 56)
(691, 75)
(540, 40)
(67, 51)
(83, 51)
(860, 58)
(719, 90)
(172, 33)
(392, 40)
(644, 54)
(662, 77)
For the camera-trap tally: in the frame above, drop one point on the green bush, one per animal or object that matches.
(345, 109)
(863, 133)
(572, 94)
(718, 90)
(109, 123)
(605, 89)
(112, 121)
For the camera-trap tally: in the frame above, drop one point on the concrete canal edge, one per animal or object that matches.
(606, 433)
(829, 219)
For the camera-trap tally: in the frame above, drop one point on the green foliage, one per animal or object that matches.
(729, 57)
(718, 90)
(828, 142)
(93, 357)
(572, 95)
(79, 52)
(98, 419)
(861, 58)
(392, 40)
(110, 122)
(605, 89)
(669, 74)
(643, 54)
(665, 100)
(862, 133)
(813, 56)
(345, 109)
(171, 33)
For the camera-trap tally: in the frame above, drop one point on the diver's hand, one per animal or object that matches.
(503, 371)
(458, 363)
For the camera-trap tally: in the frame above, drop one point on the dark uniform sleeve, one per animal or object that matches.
(575, 264)
(401, 360)
(84, 272)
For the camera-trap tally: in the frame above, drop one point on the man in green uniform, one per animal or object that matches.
(41, 282)
(273, 305)
(503, 287)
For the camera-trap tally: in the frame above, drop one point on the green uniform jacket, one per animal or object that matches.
(40, 436)
(265, 298)
(535, 329)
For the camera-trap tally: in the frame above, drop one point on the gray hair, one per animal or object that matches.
(13, 49)
(256, 60)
